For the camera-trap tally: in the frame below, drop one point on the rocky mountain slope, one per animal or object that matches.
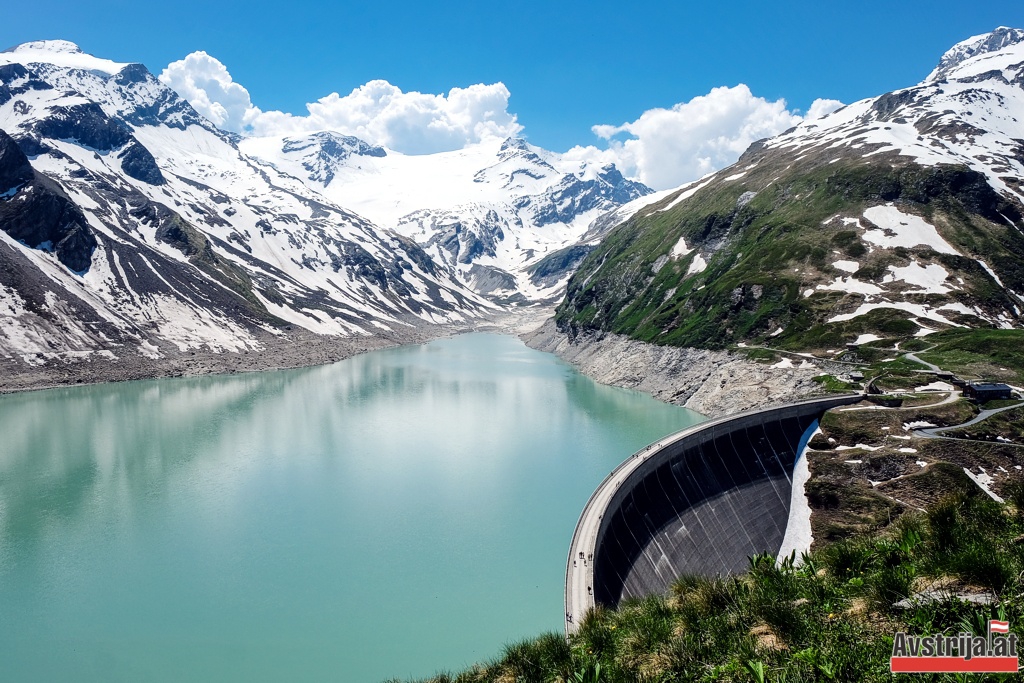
(132, 228)
(490, 212)
(892, 217)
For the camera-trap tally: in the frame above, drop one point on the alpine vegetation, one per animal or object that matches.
(895, 216)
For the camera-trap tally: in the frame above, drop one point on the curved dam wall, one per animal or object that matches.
(697, 502)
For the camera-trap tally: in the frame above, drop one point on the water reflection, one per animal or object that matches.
(393, 514)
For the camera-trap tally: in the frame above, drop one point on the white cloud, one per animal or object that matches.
(378, 112)
(668, 147)
(672, 146)
(663, 147)
(209, 88)
(412, 122)
(822, 107)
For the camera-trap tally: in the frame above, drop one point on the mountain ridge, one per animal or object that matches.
(497, 206)
(893, 216)
(135, 231)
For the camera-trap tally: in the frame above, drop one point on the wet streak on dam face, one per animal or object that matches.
(701, 502)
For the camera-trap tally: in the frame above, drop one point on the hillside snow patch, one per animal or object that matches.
(930, 278)
(680, 249)
(898, 229)
(697, 265)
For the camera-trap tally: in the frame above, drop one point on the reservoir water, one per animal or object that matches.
(396, 514)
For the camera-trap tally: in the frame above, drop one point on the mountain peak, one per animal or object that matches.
(323, 153)
(55, 46)
(520, 149)
(332, 144)
(993, 41)
(513, 143)
(60, 53)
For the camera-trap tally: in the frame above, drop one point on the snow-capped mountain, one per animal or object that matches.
(894, 216)
(131, 225)
(967, 111)
(490, 211)
(974, 46)
(323, 154)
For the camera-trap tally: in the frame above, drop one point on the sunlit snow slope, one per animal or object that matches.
(130, 224)
(489, 211)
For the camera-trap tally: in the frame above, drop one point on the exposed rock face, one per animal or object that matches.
(489, 280)
(464, 239)
(34, 210)
(14, 167)
(138, 163)
(88, 125)
(323, 153)
(553, 267)
(499, 206)
(714, 383)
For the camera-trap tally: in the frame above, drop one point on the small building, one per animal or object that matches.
(857, 376)
(987, 391)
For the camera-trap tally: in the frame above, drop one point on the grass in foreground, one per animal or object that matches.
(830, 618)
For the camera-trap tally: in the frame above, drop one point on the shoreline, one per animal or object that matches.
(712, 383)
(298, 349)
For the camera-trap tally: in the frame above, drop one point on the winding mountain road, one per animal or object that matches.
(934, 432)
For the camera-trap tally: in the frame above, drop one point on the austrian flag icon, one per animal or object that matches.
(996, 626)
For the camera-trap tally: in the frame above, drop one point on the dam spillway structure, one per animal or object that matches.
(700, 501)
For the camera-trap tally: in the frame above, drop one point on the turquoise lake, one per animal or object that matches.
(396, 514)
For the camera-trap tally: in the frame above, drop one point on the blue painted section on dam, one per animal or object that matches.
(701, 503)
(808, 433)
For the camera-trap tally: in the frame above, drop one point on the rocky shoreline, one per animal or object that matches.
(294, 348)
(713, 383)
(298, 348)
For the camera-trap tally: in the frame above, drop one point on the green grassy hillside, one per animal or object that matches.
(771, 237)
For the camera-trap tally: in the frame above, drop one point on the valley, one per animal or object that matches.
(140, 240)
(383, 427)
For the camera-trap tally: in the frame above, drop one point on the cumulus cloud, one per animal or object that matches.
(411, 122)
(668, 147)
(663, 147)
(822, 107)
(377, 112)
(209, 88)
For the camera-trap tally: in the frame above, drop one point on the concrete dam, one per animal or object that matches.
(700, 501)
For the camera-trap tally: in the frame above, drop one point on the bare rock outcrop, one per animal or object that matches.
(713, 383)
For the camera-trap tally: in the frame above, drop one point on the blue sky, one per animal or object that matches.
(567, 66)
